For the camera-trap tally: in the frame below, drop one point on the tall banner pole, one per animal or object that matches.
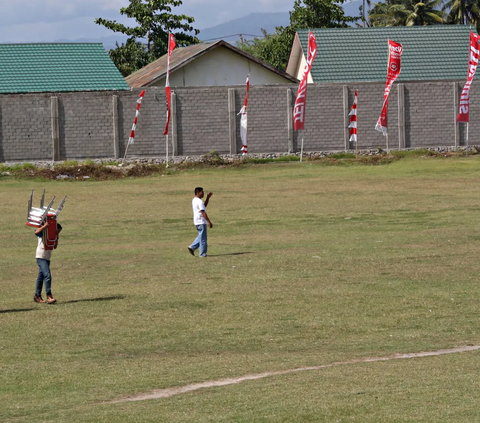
(466, 151)
(171, 46)
(473, 58)
(395, 51)
(166, 145)
(301, 149)
(301, 99)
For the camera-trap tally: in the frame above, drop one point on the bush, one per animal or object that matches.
(342, 156)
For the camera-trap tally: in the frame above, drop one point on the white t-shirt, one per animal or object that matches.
(198, 205)
(41, 252)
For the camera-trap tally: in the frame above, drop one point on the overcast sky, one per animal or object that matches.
(23, 21)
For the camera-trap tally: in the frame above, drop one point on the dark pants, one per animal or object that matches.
(44, 275)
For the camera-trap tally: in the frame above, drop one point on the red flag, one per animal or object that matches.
(473, 56)
(171, 46)
(394, 63)
(301, 100)
(353, 119)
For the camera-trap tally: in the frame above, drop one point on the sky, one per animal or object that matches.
(25, 21)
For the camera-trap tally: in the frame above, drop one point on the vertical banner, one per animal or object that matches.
(394, 63)
(243, 121)
(171, 46)
(131, 140)
(353, 120)
(301, 100)
(473, 56)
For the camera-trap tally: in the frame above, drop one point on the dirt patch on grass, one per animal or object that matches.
(169, 392)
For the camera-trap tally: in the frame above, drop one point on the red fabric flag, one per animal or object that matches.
(171, 46)
(473, 56)
(301, 100)
(394, 63)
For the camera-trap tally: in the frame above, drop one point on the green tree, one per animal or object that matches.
(154, 20)
(407, 13)
(463, 12)
(274, 49)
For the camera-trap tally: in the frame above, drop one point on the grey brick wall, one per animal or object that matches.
(86, 125)
(86, 120)
(202, 116)
(25, 128)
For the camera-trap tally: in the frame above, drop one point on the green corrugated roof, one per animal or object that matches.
(57, 67)
(436, 52)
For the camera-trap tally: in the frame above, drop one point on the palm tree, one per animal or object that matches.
(462, 11)
(407, 13)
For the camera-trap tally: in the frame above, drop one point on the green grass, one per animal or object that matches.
(309, 265)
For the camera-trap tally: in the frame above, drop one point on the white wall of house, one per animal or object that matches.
(301, 67)
(221, 66)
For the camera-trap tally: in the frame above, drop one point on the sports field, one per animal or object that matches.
(309, 266)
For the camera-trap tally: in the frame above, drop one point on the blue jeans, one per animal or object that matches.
(44, 275)
(201, 240)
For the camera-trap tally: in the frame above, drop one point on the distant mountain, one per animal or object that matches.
(248, 26)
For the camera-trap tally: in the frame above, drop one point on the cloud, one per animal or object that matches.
(50, 20)
(34, 11)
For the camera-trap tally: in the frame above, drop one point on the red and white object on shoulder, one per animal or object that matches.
(131, 140)
(353, 119)
(37, 217)
(244, 121)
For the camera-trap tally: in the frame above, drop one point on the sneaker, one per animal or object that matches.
(192, 252)
(38, 299)
(50, 299)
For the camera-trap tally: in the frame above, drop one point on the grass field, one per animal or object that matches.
(309, 265)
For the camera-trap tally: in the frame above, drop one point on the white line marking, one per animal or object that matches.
(170, 392)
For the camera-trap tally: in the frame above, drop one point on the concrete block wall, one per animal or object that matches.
(85, 125)
(98, 124)
(203, 120)
(429, 114)
(149, 139)
(267, 118)
(25, 128)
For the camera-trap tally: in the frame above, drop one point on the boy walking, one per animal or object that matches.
(43, 257)
(200, 220)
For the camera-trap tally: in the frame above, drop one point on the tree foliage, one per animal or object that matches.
(463, 12)
(274, 49)
(407, 13)
(154, 20)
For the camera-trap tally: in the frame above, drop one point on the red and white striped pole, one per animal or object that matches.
(353, 122)
(131, 140)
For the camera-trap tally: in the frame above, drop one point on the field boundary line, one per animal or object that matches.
(170, 392)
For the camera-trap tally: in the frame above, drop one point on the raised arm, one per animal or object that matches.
(208, 198)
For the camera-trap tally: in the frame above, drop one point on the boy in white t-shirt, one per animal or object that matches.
(43, 257)
(200, 220)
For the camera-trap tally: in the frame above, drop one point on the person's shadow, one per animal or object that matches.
(229, 254)
(19, 310)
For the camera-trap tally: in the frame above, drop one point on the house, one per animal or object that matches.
(344, 55)
(57, 67)
(208, 64)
